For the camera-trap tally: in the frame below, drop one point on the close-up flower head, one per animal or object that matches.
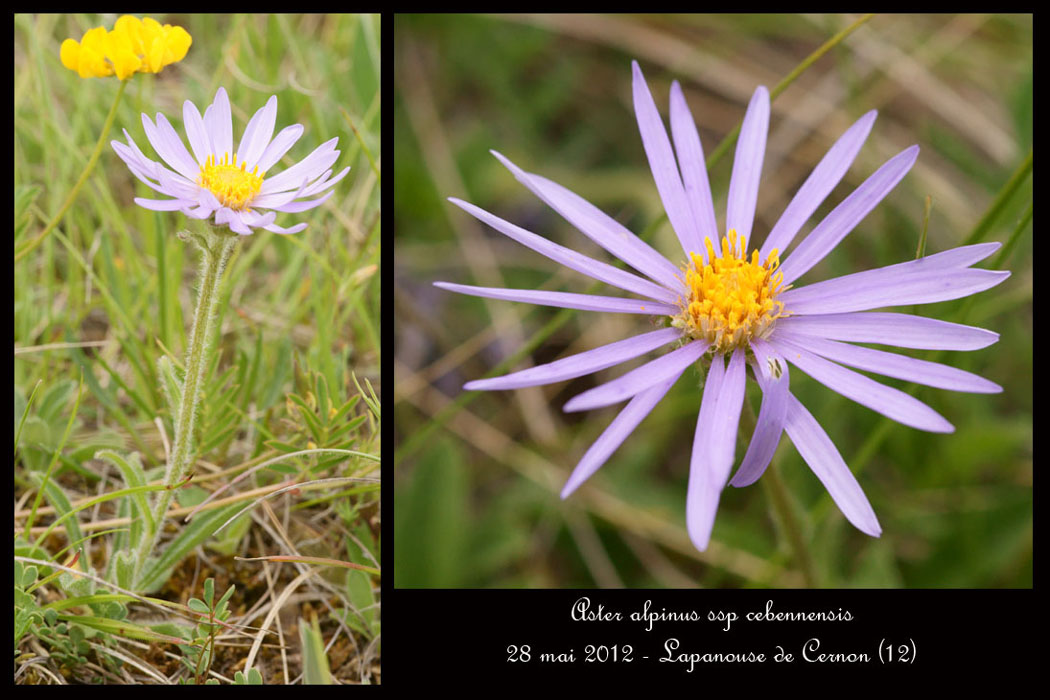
(227, 186)
(726, 302)
(132, 46)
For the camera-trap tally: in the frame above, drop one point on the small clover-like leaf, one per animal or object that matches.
(197, 605)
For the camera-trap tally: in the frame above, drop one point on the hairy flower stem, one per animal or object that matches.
(215, 249)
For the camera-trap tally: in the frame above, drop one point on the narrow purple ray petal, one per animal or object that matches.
(134, 158)
(770, 423)
(567, 300)
(570, 258)
(816, 448)
(322, 184)
(694, 168)
(884, 287)
(278, 199)
(818, 185)
(836, 225)
(296, 207)
(580, 364)
(198, 137)
(887, 328)
(219, 124)
(613, 436)
(206, 204)
(949, 260)
(725, 422)
(893, 365)
(880, 398)
(277, 229)
(307, 169)
(177, 185)
(138, 167)
(662, 163)
(639, 379)
(600, 227)
(257, 134)
(255, 219)
(161, 204)
(702, 494)
(168, 146)
(284, 140)
(142, 177)
(148, 165)
(747, 165)
(228, 217)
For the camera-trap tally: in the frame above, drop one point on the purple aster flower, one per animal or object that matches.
(734, 306)
(232, 186)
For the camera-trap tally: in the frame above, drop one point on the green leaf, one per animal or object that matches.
(60, 502)
(431, 521)
(125, 563)
(197, 605)
(132, 472)
(195, 533)
(226, 597)
(315, 662)
(55, 399)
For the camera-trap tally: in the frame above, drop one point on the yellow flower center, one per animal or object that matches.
(231, 184)
(731, 300)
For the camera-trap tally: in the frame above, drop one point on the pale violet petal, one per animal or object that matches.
(770, 424)
(747, 166)
(662, 163)
(293, 229)
(168, 146)
(843, 218)
(613, 436)
(701, 502)
(570, 258)
(888, 328)
(219, 123)
(892, 365)
(694, 168)
(161, 204)
(818, 186)
(567, 300)
(196, 132)
(890, 402)
(582, 363)
(827, 464)
(600, 227)
(257, 134)
(639, 379)
(284, 140)
(310, 167)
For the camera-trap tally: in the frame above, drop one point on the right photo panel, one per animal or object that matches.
(733, 301)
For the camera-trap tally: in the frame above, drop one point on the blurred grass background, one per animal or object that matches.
(108, 303)
(476, 498)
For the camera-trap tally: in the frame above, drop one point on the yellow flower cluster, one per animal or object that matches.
(134, 46)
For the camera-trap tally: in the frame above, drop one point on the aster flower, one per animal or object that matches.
(133, 46)
(735, 306)
(231, 186)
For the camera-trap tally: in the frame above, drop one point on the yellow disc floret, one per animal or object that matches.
(233, 185)
(731, 299)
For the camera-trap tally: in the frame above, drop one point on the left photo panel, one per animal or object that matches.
(197, 354)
